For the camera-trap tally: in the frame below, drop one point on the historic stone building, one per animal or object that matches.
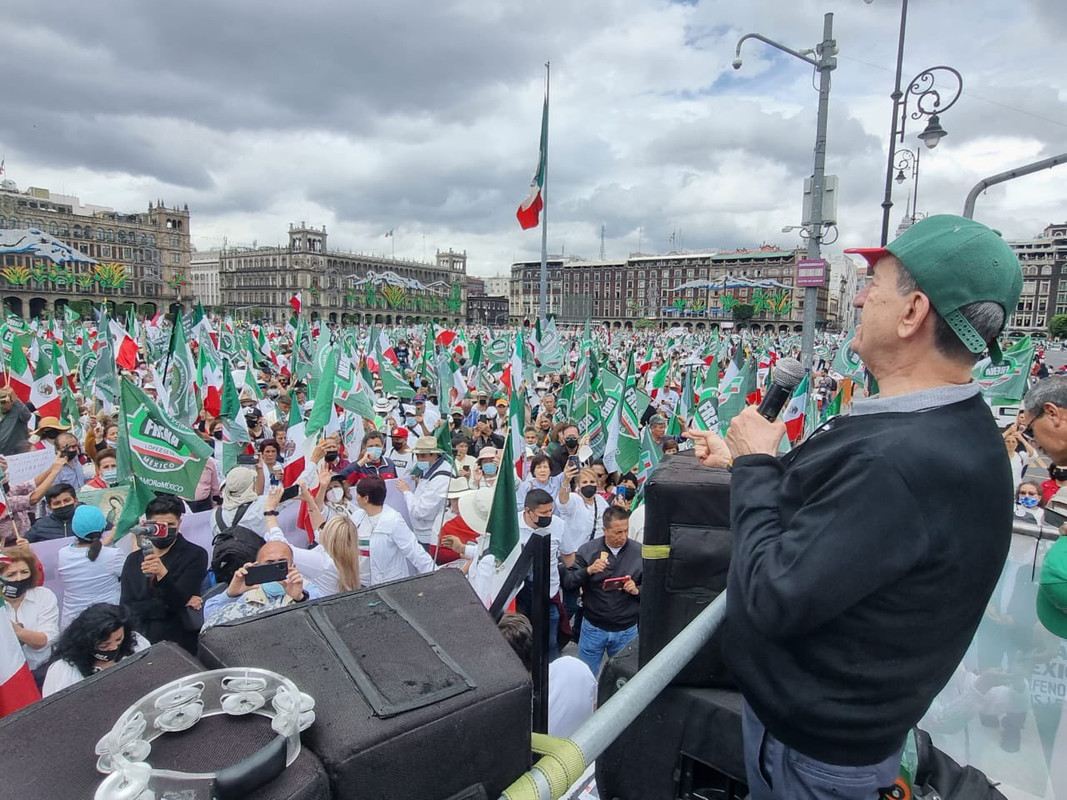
(257, 283)
(142, 259)
(1044, 264)
(204, 277)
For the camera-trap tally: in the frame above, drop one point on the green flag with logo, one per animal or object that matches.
(622, 452)
(180, 376)
(1006, 383)
(162, 452)
(734, 395)
(847, 363)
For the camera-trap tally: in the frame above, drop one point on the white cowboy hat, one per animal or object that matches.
(474, 508)
(458, 487)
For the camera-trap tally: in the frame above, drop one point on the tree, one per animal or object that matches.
(1057, 326)
(743, 312)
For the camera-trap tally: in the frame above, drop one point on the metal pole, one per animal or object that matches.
(1028, 169)
(540, 621)
(887, 202)
(544, 205)
(827, 63)
(915, 191)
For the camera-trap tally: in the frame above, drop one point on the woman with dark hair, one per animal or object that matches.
(392, 551)
(540, 477)
(98, 638)
(88, 571)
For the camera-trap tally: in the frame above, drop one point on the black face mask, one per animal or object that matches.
(331, 457)
(217, 435)
(543, 522)
(106, 655)
(163, 542)
(571, 442)
(64, 514)
(629, 493)
(588, 491)
(1058, 473)
(15, 589)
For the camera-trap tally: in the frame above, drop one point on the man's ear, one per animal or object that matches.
(916, 312)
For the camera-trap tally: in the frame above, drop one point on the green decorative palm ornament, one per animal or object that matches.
(455, 300)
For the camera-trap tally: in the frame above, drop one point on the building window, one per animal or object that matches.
(175, 258)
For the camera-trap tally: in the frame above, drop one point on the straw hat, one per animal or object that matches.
(51, 424)
(458, 487)
(426, 445)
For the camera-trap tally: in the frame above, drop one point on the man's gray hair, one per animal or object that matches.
(1052, 389)
(985, 316)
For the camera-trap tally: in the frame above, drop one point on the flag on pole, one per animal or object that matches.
(19, 372)
(126, 348)
(529, 212)
(733, 393)
(295, 302)
(622, 451)
(503, 523)
(43, 393)
(795, 411)
(179, 378)
(17, 687)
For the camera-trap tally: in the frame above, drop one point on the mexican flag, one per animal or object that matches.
(17, 688)
(209, 377)
(19, 373)
(43, 393)
(295, 302)
(162, 452)
(503, 523)
(126, 348)
(530, 210)
(794, 413)
(296, 432)
(516, 442)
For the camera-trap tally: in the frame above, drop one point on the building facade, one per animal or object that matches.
(487, 310)
(142, 259)
(1044, 261)
(643, 290)
(258, 283)
(204, 277)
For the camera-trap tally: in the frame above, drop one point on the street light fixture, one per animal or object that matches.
(824, 63)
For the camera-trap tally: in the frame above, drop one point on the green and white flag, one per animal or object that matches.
(323, 419)
(733, 395)
(179, 379)
(622, 452)
(499, 350)
(351, 390)
(162, 452)
(847, 363)
(650, 454)
(1006, 383)
(548, 350)
(706, 417)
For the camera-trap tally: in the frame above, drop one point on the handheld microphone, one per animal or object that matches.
(788, 373)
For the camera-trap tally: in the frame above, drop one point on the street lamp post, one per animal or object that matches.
(909, 160)
(824, 63)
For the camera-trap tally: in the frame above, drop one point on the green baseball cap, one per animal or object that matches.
(956, 261)
(1052, 590)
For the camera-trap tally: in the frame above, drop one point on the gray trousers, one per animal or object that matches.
(777, 772)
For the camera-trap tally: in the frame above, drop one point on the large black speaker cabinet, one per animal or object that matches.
(49, 746)
(418, 695)
(687, 548)
(687, 743)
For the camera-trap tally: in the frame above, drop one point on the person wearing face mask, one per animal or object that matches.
(393, 551)
(61, 500)
(569, 449)
(66, 445)
(241, 503)
(99, 638)
(399, 452)
(427, 500)
(1028, 502)
(336, 493)
(487, 468)
(159, 586)
(581, 510)
(372, 461)
(88, 571)
(106, 470)
(1056, 481)
(537, 514)
(32, 610)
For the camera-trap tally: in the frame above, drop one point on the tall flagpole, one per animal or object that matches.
(544, 204)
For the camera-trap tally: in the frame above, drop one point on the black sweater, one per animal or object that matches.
(613, 610)
(862, 563)
(157, 605)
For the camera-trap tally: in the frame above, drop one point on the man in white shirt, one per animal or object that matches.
(537, 515)
(426, 503)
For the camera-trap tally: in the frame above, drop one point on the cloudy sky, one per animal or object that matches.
(423, 116)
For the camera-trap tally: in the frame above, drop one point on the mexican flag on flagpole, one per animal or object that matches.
(516, 442)
(126, 348)
(17, 687)
(296, 432)
(530, 209)
(43, 393)
(163, 453)
(209, 377)
(19, 372)
(795, 411)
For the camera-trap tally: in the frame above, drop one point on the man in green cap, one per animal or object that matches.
(863, 559)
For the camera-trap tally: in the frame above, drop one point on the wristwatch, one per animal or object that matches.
(270, 513)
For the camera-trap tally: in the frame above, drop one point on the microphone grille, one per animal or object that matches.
(788, 372)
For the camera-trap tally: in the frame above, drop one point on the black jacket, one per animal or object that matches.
(157, 605)
(862, 564)
(613, 610)
(48, 527)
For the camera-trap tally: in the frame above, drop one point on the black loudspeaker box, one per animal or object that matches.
(50, 744)
(687, 548)
(418, 694)
(686, 744)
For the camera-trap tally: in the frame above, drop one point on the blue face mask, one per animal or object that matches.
(273, 590)
(489, 469)
(1028, 502)
(374, 452)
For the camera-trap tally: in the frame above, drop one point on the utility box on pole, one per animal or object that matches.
(829, 202)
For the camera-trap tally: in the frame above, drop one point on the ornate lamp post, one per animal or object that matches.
(907, 166)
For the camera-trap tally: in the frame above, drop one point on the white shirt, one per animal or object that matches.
(86, 582)
(555, 531)
(582, 521)
(426, 502)
(571, 695)
(38, 611)
(637, 524)
(403, 461)
(314, 565)
(63, 674)
(395, 553)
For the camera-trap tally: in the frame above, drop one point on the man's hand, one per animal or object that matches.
(453, 543)
(710, 449)
(153, 565)
(598, 566)
(750, 434)
(402, 486)
(196, 603)
(237, 585)
(630, 587)
(294, 583)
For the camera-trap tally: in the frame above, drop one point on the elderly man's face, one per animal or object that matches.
(1048, 428)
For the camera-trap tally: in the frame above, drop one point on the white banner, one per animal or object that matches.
(27, 466)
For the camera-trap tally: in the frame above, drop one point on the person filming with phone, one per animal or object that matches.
(608, 571)
(271, 581)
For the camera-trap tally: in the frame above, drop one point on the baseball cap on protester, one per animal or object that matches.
(1052, 590)
(956, 261)
(87, 520)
